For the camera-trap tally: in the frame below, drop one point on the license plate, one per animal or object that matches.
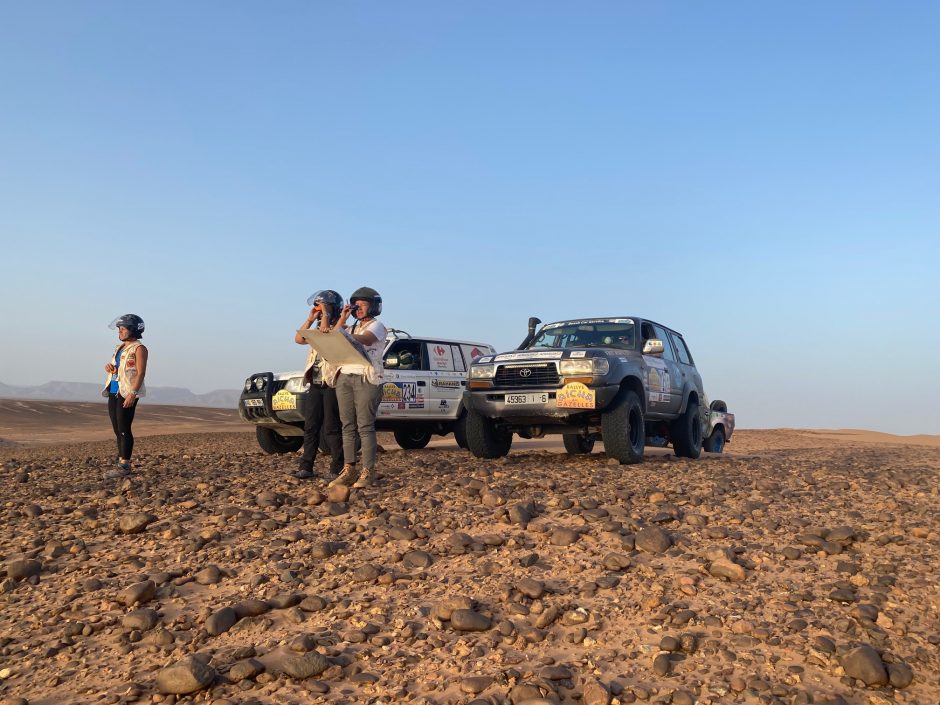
(536, 398)
(254, 402)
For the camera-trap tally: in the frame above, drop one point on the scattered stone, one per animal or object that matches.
(653, 539)
(864, 664)
(186, 676)
(465, 620)
(135, 523)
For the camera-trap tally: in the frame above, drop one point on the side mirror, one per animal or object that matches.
(392, 361)
(653, 346)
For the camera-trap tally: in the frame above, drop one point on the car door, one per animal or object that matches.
(404, 391)
(664, 378)
(690, 375)
(447, 379)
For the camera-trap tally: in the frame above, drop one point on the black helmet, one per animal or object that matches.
(332, 304)
(131, 321)
(364, 293)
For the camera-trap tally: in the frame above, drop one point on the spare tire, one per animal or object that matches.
(719, 405)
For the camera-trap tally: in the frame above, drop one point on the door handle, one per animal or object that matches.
(421, 384)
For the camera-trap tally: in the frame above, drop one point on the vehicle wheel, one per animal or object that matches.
(719, 405)
(623, 429)
(687, 433)
(715, 443)
(460, 430)
(273, 442)
(412, 437)
(576, 444)
(484, 439)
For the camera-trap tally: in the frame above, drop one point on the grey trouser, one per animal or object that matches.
(358, 403)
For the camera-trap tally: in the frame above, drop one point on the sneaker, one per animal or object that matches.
(366, 479)
(304, 474)
(347, 477)
(124, 468)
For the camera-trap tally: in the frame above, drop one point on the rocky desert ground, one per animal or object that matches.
(798, 567)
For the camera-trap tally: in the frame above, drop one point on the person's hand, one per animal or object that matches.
(129, 401)
(110, 368)
(324, 325)
(314, 312)
(344, 314)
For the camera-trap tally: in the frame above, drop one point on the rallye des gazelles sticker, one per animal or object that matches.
(551, 355)
(575, 395)
(403, 394)
(587, 321)
(657, 379)
(283, 401)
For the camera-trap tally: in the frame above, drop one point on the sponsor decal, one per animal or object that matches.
(484, 359)
(419, 405)
(445, 404)
(579, 353)
(283, 401)
(446, 383)
(657, 381)
(391, 392)
(254, 402)
(399, 392)
(575, 395)
(549, 355)
(587, 321)
(476, 352)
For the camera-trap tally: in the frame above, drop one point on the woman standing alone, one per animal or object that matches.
(125, 383)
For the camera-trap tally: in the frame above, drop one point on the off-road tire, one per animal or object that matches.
(623, 429)
(576, 444)
(719, 405)
(412, 437)
(687, 432)
(484, 439)
(715, 443)
(460, 430)
(273, 442)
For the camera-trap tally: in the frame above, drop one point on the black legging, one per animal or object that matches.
(121, 420)
(322, 417)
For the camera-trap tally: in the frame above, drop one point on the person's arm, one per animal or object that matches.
(366, 337)
(139, 378)
(298, 338)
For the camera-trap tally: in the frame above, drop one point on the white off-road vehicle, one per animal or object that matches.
(425, 378)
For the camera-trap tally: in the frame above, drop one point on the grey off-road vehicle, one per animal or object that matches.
(625, 381)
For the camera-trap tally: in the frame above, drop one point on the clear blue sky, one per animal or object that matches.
(763, 177)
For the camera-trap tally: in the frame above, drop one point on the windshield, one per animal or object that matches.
(618, 333)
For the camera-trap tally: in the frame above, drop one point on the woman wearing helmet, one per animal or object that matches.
(125, 383)
(322, 412)
(359, 386)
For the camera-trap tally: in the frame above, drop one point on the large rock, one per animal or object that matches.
(135, 523)
(221, 621)
(137, 593)
(22, 569)
(653, 539)
(186, 676)
(294, 664)
(469, 621)
(729, 570)
(863, 663)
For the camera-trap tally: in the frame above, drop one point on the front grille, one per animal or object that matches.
(539, 375)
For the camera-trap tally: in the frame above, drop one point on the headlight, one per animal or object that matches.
(248, 384)
(295, 385)
(482, 371)
(259, 383)
(589, 366)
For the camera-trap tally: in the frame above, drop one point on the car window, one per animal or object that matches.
(472, 352)
(409, 354)
(441, 357)
(681, 349)
(660, 333)
(589, 334)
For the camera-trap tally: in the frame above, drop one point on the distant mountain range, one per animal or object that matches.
(86, 391)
